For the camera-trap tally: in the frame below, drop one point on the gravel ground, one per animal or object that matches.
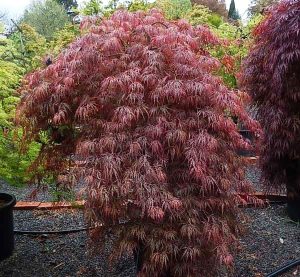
(57, 255)
(270, 241)
(253, 174)
(23, 192)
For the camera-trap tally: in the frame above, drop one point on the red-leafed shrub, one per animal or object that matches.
(272, 75)
(134, 105)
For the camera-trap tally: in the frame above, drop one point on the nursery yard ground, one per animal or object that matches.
(270, 241)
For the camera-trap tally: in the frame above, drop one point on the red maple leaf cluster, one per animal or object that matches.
(135, 106)
(271, 74)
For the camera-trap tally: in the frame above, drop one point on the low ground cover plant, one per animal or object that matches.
(133, 108)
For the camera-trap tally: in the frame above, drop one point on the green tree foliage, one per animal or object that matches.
(68, 4)
(22, 52)
(1, 26)
(233, 12)
(47, 17)
(93, 7)
(230, 51)
(174, 9)
(198, 15)
(62, 38)
(258, 6)
(28, 47)
(10, 75)
(216, 6)
(139, 5)
(201, 15)
(112, 5)
(13, 164)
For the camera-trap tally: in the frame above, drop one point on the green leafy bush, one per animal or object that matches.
(13, 164)
(23, 51)
(174, 9)
(46, 17)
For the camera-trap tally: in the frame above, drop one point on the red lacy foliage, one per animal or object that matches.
(272, 76)
(148, 124)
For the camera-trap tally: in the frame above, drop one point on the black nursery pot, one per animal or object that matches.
(292, 189)
(293, 206)
(7, 241)
(293, 209)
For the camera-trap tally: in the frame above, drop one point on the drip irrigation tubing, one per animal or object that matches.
(251, 205)
(276, 273)
(284, 268)
(51, 232)
(82, 229)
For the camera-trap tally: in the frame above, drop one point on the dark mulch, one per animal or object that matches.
(271, 240)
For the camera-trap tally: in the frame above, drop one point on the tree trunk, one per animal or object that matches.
(139, 260)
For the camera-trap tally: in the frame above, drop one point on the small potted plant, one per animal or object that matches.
(7, 202)
(271, 74)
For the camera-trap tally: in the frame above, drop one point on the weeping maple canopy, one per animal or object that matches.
(135, 107)
(271, 74)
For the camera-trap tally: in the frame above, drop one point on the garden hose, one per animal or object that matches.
(284, 268)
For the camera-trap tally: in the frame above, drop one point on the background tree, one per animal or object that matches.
(139, 5)
(200, 15)
(216, 6)
(259, 6)
(13, 164)
(46, 17)
(174, 9)
(68, 4)
(92, 7)
(233, 12)
(112, 6)
(29, 47)
(23, 51)
(62, 38)
(2, 16)
(271, 74)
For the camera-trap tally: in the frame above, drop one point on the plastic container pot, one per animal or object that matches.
(7, 241)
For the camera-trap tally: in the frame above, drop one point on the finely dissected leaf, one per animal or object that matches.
(134, 106)
(271, 74)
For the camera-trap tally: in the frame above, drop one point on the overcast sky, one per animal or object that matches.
(15, 8)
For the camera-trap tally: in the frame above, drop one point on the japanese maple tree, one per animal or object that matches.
(135, 108)
(271, 74)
